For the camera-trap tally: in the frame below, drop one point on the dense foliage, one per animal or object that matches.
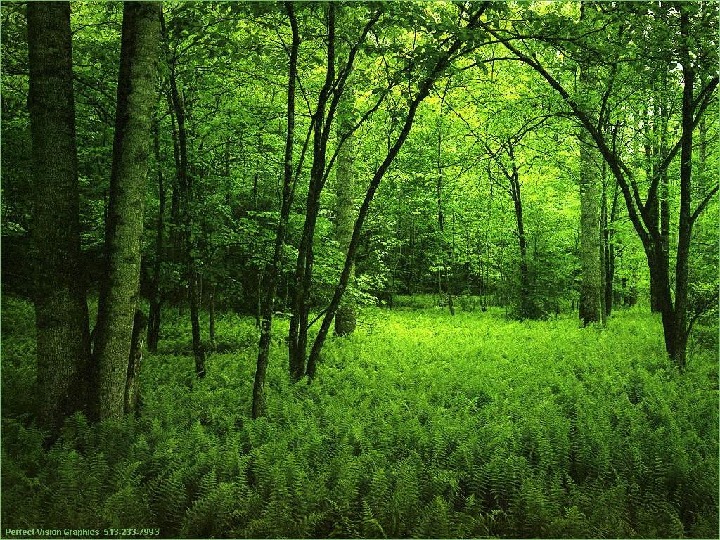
(507, 210)
(420, 426)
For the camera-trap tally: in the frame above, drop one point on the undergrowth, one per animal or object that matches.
(418, 425)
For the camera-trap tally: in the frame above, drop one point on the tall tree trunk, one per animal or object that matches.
(527, 307)
(194, 293)
(345, 318)
(185, 195)
(442, 61)
(299, 322)
(63, 338)
(685, 221)
(658, 200)
(273, 270)
(609, 245)
(123, 231)
(156, 299)
(447, 253)
(591, 292)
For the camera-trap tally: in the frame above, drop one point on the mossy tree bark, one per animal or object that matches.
(63, 338)
(133, 139)
(592, 269)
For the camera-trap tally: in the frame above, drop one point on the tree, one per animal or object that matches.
(133, 139)
(184, 197)
(694, 103)
(438, 63)
(345, 318)
(329, 96)
(591, 304)
(63, 340)
(273, 270)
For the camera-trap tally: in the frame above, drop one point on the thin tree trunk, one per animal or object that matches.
(156, 299)
(273, 270)
(123, 231)
(527, 308)
(197, 345)
(345, 319)
(609, 246)
(211, 307)
(441, 63)
(185, 217)
(61, 313)
(298, 334)
(685, 223)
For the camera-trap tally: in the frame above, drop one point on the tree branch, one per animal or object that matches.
(706, 200)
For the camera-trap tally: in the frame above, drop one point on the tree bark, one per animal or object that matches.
(63, 338)
(685, 221)
(194, 293)
(608, 219)
(527, 306)
(132, 385)
(123, 230)
(298, 333)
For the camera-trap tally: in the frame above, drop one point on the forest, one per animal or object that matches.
(360, 269)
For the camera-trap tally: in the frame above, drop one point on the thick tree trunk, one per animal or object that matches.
(123, 231)
(132, 385)
(63, 338)
(591, 291)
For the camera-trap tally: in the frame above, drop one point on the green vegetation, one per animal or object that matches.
(360, 268)
(421, 425)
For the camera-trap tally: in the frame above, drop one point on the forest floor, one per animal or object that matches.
(418, 425)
